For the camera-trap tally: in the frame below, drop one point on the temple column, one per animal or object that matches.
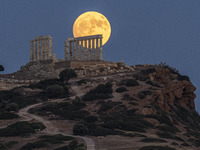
(70, 50)
(74, 50)
(31, 56)
(35, 51)
(46, 49)
(66, 50)
(50, 48)
(89, 55)
(38, 50)
(43, 50)
(81, 49)
(93, 50)
(86, 53)
(101, 53)
(97, 48)
(78, 50)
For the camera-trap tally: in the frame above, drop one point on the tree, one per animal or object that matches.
(55, 91)
(12, 107)
(67, 74)
(1, 68)
(80, 129)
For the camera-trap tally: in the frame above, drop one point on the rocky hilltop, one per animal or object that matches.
(123, 107)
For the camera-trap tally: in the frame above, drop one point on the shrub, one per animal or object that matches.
(20, 129)
(128, 97)
(8, 115)
(108, 105)
(100, 131)
(156, 148)
(100, 92)
(132, 82)
(140, 76)
(1, 68)
(56, 139)
(82, 81)
(80, 129)
(55, 91)
(12, 107)
(72, 145)
(171, 129)
(143, 94)
(91, 119)
(121, 89)
(169, 136)
(62, 148)
(153, 140)
(148, 71)
(183, 77)
(65, 110)
(67, 74)
(152, 83)
(35, 145)
(46, 83)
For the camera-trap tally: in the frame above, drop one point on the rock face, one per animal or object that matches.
(174, 89)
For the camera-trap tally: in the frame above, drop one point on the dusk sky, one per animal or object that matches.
(143, 31)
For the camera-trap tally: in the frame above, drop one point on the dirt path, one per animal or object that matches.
(50, 128)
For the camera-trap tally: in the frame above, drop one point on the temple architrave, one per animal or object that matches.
(41, 48)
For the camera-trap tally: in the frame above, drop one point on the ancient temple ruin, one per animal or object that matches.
(87, 48)
(42, 48)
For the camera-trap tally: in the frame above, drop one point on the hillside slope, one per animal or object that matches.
(153, 106)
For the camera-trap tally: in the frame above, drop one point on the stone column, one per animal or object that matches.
(81, 49)
(66, 50)
(93, 50)
(89, 55)
(86, 52)
(35, 51)
(74, 50)
(101, 53)
(38, 50)
(42, 50)
(46, 51)
(31, 54)
(50, 48)
(97, 48)
(70, 50)
(78, 50)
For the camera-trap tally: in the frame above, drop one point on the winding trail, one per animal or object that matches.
(50, 128)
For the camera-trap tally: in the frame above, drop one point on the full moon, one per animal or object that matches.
(92, 23)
